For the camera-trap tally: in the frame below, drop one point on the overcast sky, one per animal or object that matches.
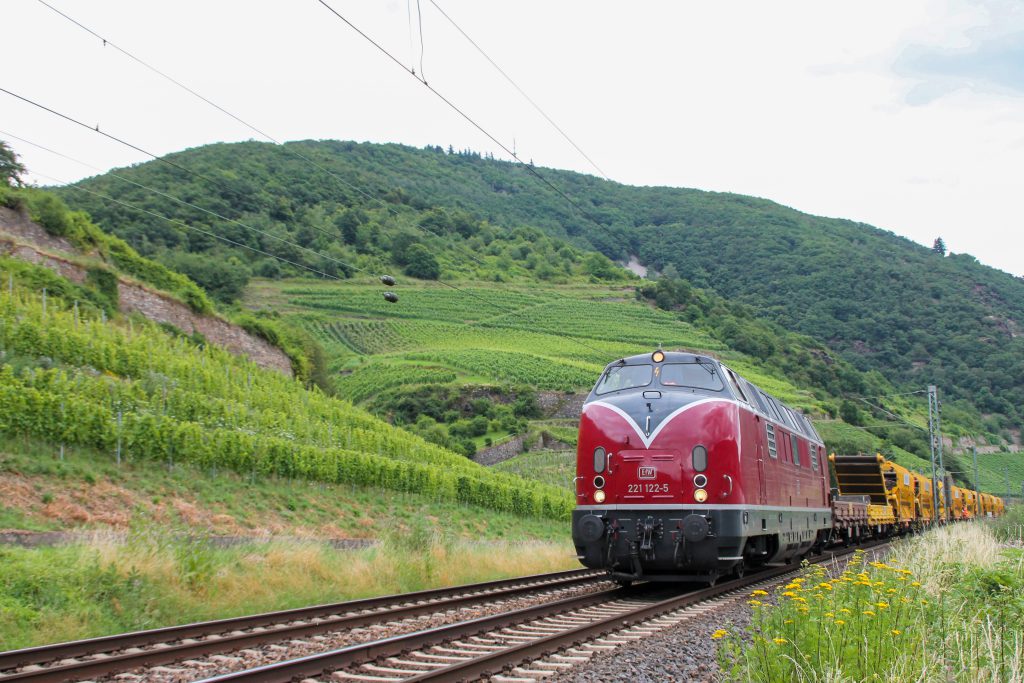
(906, 115)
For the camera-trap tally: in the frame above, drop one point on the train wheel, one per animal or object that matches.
(712, 578)
(624, 583)
(740, 570)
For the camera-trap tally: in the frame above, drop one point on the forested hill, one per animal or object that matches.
(883, 301)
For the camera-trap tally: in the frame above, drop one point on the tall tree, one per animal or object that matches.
(939, 246)
(10, 168)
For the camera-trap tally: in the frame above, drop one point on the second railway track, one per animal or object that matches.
(101, 657)
(523, 645)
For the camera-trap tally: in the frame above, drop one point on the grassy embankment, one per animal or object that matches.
(103, 586)
(945, 606)
(159, 431)
(88, 490)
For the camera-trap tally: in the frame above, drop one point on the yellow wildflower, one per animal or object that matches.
(720, 633)
(799, 599)
(803, 610)
(780, 641)
(891, 590)
(788, 621)
(799, 580)
(845, 611)
(895, 631)
(792, 586)
(754, 603)
(827, 586)
(789, 594)
(883, 605)
(916, 584)
(869, 613)
(830, 614)
(839, 622)
(758, 593)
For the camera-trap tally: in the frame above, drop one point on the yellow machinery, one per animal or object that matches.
(971, 502)
(880, 515)
(923, 496)
(900, 483)
(956, 503)
(900, 497)
(886, 484)
(987, 506)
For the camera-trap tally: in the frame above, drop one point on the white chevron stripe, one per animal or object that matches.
(648, 440)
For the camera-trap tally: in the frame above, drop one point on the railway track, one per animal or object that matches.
(99, 657)
(515, 647)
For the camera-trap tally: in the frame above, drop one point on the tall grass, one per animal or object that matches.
(946, 606)
(105, 585)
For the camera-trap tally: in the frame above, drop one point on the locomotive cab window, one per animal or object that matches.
(760, 405)
(735, 385)
(775, 408)
(619, 377)
(691, 376)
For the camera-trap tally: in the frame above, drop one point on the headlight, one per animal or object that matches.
(598, 496)
(658, 356)
(700, 495)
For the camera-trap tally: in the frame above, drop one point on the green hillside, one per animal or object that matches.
(138, 391)
(883, 302)
(461, 374)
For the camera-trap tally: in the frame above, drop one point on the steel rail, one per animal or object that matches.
(316, 665)
(119, 652)
(494, 663)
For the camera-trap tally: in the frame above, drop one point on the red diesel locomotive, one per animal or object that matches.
(686, 471)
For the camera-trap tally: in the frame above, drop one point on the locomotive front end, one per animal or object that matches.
(658, 482)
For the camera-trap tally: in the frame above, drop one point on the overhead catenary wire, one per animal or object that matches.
(512, 153)
(274, 140)
(520, 90)
(287, 148)
(230, 220)
(124, 142)
(96, 129)
(189, 204)
(419, 17)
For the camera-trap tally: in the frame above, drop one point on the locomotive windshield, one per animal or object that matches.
(619, 377)
(691, 375)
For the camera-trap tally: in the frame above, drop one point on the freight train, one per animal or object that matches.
(687, 471)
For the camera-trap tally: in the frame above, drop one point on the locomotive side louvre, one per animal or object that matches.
(701, 472)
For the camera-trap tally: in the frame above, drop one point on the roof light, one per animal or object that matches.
(658, 356)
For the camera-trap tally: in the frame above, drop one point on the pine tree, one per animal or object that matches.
(939, 247)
